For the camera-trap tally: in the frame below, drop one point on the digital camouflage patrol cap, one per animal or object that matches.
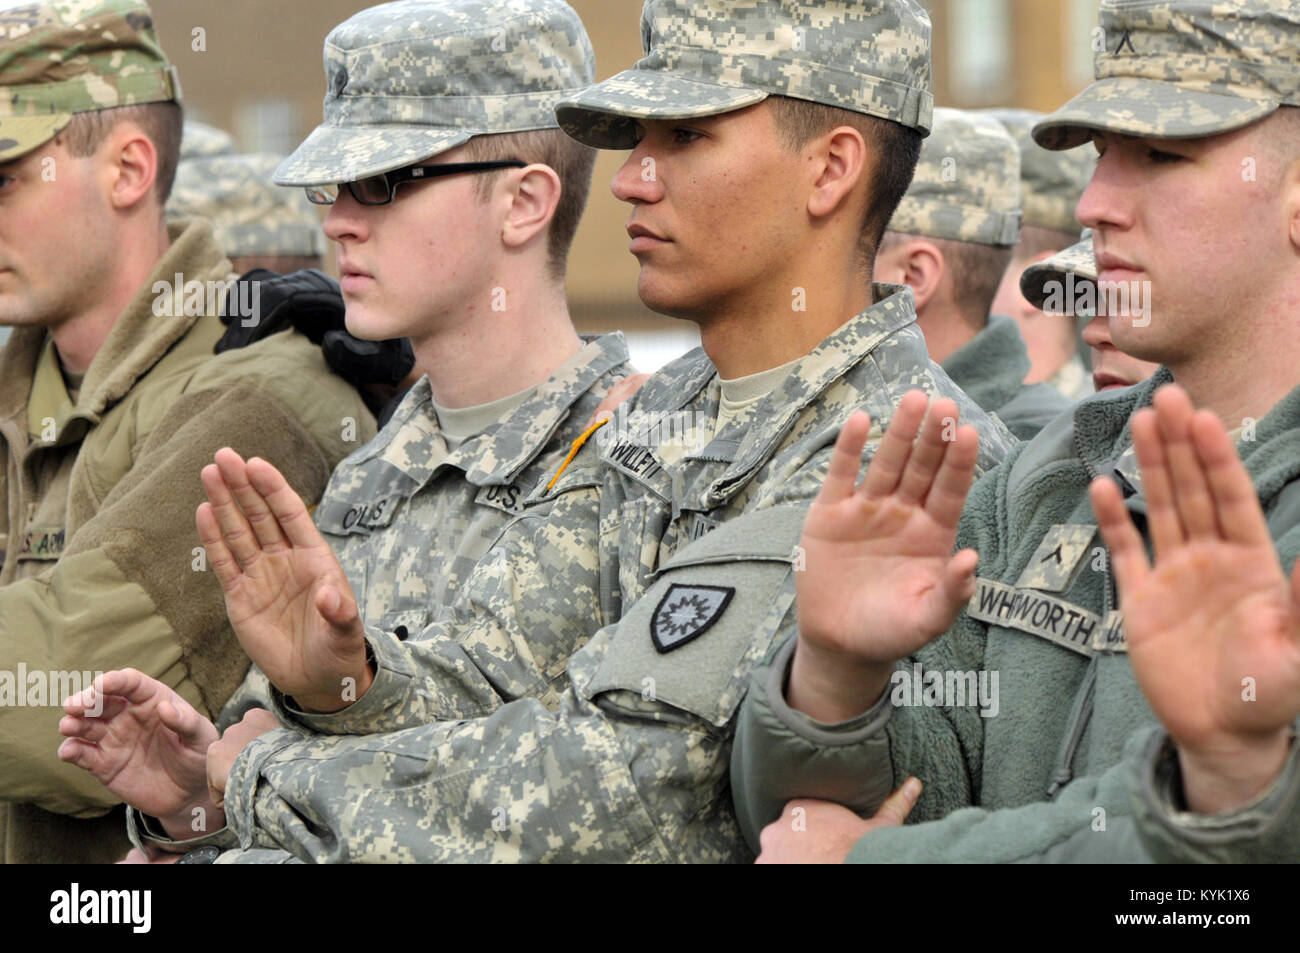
(967, 183)
(1183, 69)
(409, 80)
(1077, 261)
(708, 57)
(1051, 183)
(72, 56)
(200, 139)
(250, 216)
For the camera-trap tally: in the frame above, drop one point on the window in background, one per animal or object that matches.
(270, 126)
(979, 51)
(1080, 21)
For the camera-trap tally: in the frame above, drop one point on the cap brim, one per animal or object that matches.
(1077, 260)
(333, 154)
(19, 135)
(1149, 108)
(605, 115)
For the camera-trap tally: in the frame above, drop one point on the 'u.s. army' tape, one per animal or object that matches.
(1047, 617)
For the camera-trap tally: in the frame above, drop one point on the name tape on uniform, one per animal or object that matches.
(508, 498)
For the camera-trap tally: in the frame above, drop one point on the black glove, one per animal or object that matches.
(368, 362)
(310, 302)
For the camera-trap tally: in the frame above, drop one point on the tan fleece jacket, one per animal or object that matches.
(100, 562)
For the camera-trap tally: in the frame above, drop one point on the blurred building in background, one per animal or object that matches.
(253, 67)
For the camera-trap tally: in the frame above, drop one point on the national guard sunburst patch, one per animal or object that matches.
(686, 613)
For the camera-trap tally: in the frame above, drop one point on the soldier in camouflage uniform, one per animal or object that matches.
(111, 399)
(200, 140)
(1148, 712)
(1051, 184)
(950, 241)
(1066, 284)
(667, 546)
(409, 514)
(257, 224)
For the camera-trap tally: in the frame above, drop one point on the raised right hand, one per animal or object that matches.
(287, 597)
(880, 579)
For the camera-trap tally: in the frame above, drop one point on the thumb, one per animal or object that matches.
(194, 730)
(899, 804)
(338, 608)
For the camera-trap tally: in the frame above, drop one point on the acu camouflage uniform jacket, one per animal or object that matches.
(627, 758)
(409, 519)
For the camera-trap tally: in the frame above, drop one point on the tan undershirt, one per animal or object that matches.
(739, 398)
(458, 424)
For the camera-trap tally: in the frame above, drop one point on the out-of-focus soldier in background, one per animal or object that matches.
(111, 401)
(761, 177)
(1051, 184)
(199, 140)
(1066, 285)
(507, 384)
(257, 223)
(950, 241)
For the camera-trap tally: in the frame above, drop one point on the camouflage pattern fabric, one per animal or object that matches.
(71, 56)
(680, 574)
(409, 519)
(967, 183)
(1074, 263)
(249, 214)
(1184, 68)
(200, 139)
(406, 81)
(707, 57)
(1051, 183)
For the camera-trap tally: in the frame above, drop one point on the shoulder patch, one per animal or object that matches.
(685, 613)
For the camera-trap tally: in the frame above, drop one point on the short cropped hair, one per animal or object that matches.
(976, 271)
(572, 161)
(897, 148)
(162, 123)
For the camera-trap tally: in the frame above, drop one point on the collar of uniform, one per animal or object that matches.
(498, 454)
(18, 360)
(992, 366)
(140, 338)
(1101, 422)
(48, 399)
(137, 340)
(1272, 457)
(843, 349)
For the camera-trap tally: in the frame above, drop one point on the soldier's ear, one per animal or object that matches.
(130, 164)
(535, 194)
(841, 165)
(923, 270)
(1291, 198)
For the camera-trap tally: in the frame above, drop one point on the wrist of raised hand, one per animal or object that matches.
(1230, 777)
(349, 691)
(833, 687)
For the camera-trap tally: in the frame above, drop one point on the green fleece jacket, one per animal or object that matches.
(1060, 758)
(992, 368)
(100, 561)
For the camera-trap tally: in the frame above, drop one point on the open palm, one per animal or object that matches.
(1213, 628)
(287, 597)
(881, 579)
